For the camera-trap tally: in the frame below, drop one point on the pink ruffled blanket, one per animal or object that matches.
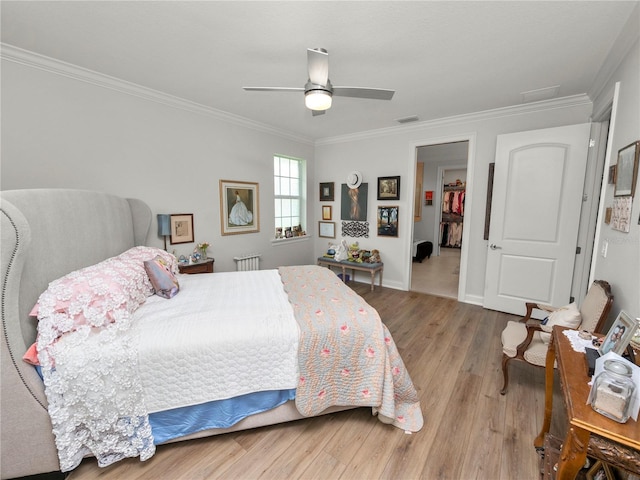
(346, 355)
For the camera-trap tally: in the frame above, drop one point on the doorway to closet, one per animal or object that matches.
(439, 217)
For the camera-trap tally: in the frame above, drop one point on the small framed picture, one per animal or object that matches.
(326, 212)
(326, 192)
(619, 335)
(389, 188)
(600, 471)
(181, 228)
(612, 174)
(327, 229)
(627, 170)
(388, 221)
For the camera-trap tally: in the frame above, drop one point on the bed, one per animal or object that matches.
(49, 235)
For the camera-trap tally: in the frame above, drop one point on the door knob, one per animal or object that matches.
(493, 246)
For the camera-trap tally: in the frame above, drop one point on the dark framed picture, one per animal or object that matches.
(181, 228)
(239, 208)
(388, 221)
(327, 229)
(326, 212)
(326, 192)
(627, 170)
(389, 188)
(612, 174)
(353, 203)
(619, 335)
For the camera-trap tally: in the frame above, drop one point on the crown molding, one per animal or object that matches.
(543, 105)
(58, 67)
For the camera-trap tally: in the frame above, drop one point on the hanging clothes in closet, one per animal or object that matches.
(452, 216)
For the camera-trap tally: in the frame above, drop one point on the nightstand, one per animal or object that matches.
(203, 266)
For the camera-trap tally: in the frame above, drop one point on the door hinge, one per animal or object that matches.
(585, 197)
(578, 250)
(592, 143)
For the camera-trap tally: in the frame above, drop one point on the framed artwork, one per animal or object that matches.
(353, 202)
(621, 214)
(627, 170)
(326, 212)
(389, 188)
(600, 471)
(612, 174)
(239, 207)
(326, 192)
(181, 228)
(327, 229)
(619, 335)
(428, 197)
(388, 221)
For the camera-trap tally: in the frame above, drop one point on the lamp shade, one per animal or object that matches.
(317, 100)
(164, 229)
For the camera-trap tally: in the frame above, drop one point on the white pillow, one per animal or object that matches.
(567, 316)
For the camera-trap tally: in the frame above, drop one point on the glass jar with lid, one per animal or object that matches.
(613, 390)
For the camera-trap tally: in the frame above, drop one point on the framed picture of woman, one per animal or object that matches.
(239, 207)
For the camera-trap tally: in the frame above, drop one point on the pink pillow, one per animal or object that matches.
(96, 295)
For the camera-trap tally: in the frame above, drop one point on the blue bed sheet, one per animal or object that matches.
(170, 424)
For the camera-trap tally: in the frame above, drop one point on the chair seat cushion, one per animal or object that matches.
(514, 334)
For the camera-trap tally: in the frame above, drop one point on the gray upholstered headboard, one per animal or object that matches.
(47, 233)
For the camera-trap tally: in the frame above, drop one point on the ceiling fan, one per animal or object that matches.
(318, 90)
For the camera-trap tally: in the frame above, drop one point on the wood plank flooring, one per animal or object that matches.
(452, 351)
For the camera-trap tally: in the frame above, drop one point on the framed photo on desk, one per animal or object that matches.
(619, 335)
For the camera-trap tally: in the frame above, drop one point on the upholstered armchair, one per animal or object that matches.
(526, 341)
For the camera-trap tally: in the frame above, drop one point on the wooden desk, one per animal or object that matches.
(363, 267)
(615, 443)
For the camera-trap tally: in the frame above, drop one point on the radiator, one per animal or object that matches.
(248, 262)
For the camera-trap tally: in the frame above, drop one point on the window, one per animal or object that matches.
(290, 196)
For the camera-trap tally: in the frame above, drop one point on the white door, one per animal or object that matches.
(535, 214)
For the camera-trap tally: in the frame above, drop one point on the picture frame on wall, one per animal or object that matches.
(326, 191)
(387, 221)
(326, 212)
(181, 225)
(389, 188)
(239, 207)
(327, 229)
(627, 170)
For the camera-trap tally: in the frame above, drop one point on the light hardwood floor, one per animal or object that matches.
(453, 353)
(437, 275)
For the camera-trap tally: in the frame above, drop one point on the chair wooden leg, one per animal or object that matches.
(505, 373)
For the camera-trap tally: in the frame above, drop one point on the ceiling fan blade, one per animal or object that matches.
(315, 113)
(362, 92)
(318, 64)
(273, 89)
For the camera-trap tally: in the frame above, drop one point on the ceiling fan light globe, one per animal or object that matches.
(317, 100)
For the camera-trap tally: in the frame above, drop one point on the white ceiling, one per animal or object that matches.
(443, 58)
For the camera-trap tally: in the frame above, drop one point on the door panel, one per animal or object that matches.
(537, 197)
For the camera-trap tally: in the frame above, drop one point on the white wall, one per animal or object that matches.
(621, 267)
(59, 132)
(392, 152)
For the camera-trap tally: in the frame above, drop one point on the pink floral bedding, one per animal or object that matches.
(346, 355)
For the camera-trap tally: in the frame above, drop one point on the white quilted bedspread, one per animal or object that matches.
(216, 340)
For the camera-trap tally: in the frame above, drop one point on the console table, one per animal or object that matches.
(615, 443)
(362, 267)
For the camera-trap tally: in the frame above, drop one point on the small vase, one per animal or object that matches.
(204, 255)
